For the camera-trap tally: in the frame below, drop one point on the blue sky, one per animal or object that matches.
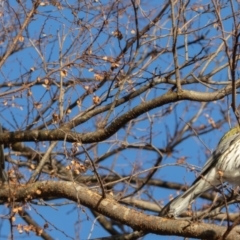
(59, 30)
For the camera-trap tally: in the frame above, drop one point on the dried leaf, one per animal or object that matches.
(21, 39)
(181, 160)
(98, 77)
(29, 93)
(63, 73)
(37, 105)
(46, 81)
(39, 231)
(55, 117)
(20, 228)
(114, 65)
(117, 34)
(96, 99)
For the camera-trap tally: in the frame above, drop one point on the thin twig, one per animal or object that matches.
(42, 162)
(197, 135)
(95, 171)
(20, 31)
(174, 47)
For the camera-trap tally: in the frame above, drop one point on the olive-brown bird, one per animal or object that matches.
(222, 166)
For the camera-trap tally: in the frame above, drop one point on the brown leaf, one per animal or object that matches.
(96, 99)
(37, 105)
(29, 93)
(55, 117)
(114, 65)
(118, 34)
(21, 39)
(63, 73)
(181, 160)
(98, 77)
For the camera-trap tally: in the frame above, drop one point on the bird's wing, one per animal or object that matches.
(221, 148)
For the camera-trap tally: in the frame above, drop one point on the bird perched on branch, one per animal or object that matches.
(222, 166)
(3, 175)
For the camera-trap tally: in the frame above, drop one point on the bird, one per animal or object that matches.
(3, 175)
(222, 166)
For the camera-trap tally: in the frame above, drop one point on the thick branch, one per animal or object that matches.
(112, 209)
(102, 134)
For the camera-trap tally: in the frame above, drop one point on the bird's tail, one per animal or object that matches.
(180, 203)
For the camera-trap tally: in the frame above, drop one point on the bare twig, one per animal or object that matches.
(95, 171)
(174, 46)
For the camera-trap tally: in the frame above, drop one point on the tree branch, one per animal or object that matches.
(112, 209)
